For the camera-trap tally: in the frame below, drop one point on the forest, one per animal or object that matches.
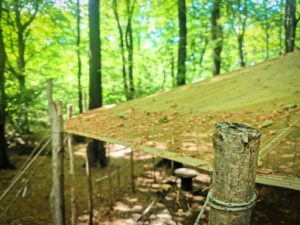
(99, 53)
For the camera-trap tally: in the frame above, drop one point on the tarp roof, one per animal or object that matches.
(177, 124)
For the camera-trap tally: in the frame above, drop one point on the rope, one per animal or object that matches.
(24, 170)
(276, 140)
(28, 159)
(203, 208)
(230, 206)
(225, 206)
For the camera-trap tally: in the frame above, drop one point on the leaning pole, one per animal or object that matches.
(232, 195)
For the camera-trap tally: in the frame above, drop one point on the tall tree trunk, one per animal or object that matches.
(290, 25)
(20, 25)
(182, 42)
(129, 41)
(267, 41)
(173, 69)
(240, 38)
(95, 84)
(129, 45)
(266, 29)
(238, 13)
(80, 99)
(4, 161)
(217, 37)
(280, 27)
(23, 115)
(202, 52)
(124, 74)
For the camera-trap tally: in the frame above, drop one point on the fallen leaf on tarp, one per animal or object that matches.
(266, 123)
(122, 115)
(163, 119)
(290, 106)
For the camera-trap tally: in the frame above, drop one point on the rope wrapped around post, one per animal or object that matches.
(225, 206)
(232, 195)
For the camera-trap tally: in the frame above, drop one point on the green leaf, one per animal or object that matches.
(290, 106)
(266, 123)
(163, 119)
(122, 115)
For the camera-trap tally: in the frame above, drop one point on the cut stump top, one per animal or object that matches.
(186, 173)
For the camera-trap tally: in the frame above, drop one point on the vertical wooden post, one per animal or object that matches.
(110, 189)
(233, 186)
(154, 169)
(132, 172)
(57, 192)
(72, 172)
(119, 179)
(90, 191)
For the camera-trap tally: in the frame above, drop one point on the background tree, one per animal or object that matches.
(4, 161)
(182, 42)
(51, 48)
(79, 71)
(96, 150)
(126, 45)
(20, 16)
(237, 13)
(290, 25)
(216, 36)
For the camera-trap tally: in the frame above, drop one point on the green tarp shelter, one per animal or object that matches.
(177, 124)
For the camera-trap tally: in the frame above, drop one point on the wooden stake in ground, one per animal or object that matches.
(90, 190)
(233, 187)
(132, 171)
(72, 172)
(57, 193)
(110, 188)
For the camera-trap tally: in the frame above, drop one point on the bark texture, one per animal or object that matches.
(80, 101)
(182, 42)
(95, 84)
(57, 199)
(290, 25)
(4, 161)
(216, 36)
(236, 153)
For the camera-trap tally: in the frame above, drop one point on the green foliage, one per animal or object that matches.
(51, 49)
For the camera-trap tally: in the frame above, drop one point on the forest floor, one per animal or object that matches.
(28, 202)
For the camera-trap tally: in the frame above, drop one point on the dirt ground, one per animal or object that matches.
(28, 202)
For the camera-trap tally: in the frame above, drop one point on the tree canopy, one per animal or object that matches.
(140, 47)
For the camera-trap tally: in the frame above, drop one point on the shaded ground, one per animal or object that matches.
(31, 206)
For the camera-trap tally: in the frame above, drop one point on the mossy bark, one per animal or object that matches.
(236, 152)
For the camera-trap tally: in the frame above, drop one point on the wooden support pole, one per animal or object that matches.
(110, 189)
(90, 190)
(119, 179)
(233, 186)
(132, 171)
(72, 172)
(154, 169)
(57, 193)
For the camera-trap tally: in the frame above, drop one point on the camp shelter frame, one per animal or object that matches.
(177, 124)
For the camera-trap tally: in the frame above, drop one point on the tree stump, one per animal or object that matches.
(233, 185)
